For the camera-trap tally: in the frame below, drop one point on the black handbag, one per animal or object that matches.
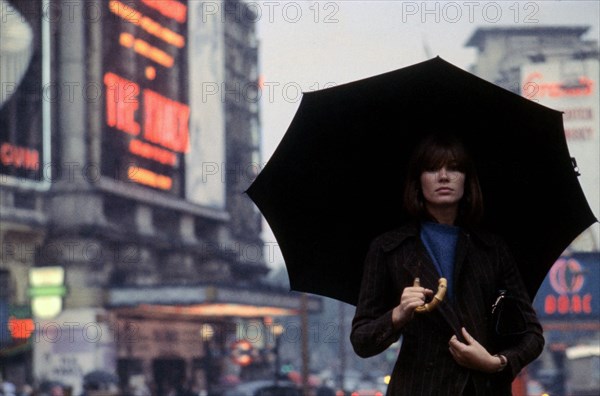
(508, 319)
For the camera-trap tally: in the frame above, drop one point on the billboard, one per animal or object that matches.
(146, 114)
(570, 290)
(571, 86)
(25, 94)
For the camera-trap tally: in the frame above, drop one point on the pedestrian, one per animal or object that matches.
(452, 350)
(8, 389)
(324, 390)
(26, 390)
(57, 390)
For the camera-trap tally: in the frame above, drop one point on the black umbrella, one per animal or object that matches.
(335, 180)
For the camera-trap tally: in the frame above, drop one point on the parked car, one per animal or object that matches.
(364, 388)
(265, 388)
(367, 392)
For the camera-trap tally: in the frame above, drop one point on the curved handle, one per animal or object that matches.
(439, 296)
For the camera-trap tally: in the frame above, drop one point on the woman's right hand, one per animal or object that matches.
(412, 297)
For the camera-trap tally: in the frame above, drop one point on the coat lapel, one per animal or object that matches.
(419, 265)
(462, 248)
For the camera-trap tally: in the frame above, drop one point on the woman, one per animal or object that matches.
(452, 350)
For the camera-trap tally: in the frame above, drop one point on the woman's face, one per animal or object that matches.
(443, 187)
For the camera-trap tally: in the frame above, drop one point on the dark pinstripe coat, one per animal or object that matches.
(425, 367)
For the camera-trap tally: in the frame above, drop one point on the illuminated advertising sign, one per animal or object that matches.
(570, 290)
(571, 86)
(146, 112)
(46, 290)
(24, 75)
(18, 328)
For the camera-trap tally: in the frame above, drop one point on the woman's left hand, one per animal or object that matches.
(472, 354)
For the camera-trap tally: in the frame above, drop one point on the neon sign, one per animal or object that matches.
(21, 328)
(564, 304)
(135, 17)
(154, 153)
(535, 87)
(24, 115)
(149, 178)
(145, 111)
(169, 8)
(166, 122)
(19, 157)
(121, 104)
(566, 276)
(568, 290)
(143, 48)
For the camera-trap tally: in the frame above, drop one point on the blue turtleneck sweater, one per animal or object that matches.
(440, 242)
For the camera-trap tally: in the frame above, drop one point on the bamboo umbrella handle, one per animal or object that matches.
(439, 296)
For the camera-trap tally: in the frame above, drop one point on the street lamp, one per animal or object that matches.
(207, 333)
(277, 332)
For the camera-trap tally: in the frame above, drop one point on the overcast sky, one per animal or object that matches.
(306, 45)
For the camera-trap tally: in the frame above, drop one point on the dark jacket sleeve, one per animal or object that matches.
(529, 346)
(372, 330)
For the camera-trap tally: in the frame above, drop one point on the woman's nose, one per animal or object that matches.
(443, 173)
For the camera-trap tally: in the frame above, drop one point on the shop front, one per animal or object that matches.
(197, 338)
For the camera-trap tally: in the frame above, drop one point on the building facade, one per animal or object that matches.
(557, 67)
(129, 133)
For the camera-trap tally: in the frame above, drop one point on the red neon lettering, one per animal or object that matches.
(121, 103)
(154, 28)
(576, 304)
(563, 304)
(166, 122)
(143, 48)
(149, 178)
(153, 153)
(587, 303)
(550, 305)
(556, 89)
(169, 8)
(19, 157)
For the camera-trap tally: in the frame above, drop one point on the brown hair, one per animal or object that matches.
(433, 153)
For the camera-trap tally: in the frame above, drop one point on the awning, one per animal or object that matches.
(210, 300)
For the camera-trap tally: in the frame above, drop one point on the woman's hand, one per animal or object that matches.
(412, 297)
(473, 355)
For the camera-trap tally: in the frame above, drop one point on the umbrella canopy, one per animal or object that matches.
(335, 181)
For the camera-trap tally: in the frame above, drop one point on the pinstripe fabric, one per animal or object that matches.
(425, 366)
